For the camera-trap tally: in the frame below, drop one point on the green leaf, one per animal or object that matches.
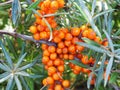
(100, 72)
(102, 13)
(33, 6)
(24, 83)
(7, 56)
(19, 86)
(93, 7)
(16, 11)
(20, 61)
(79, 63)
(9, 84)
(4, 74)
(95, 48)
(91, 42)
(22, 73)
(11, 47)
(89, 80)
(5, 78)
(108, 69)
(4, 68)
(113, 77)
(109, 41)
(28, 65)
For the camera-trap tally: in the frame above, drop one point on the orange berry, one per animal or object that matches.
(52, 70)
(59, 50)
(79, 48)
(64, 30)
(68, 36)
(85, 70)
(65, 50)
(58, 87)
(54, 5)
(71, 48)
(74, 40)
(50, 63)
(43, 35)
(76, 72)
(50, 80)
(53, 56)
(44, 81)
(40, 28)
(47, 3)
(61, 35)
(70, 56)
(92, 82)
(61, 45)
(51, 49)
(33, 29)
(56, 76)
(84, 27)
(97, 39)
(46, 53)
(60, 68)
(92, 35)
(61, 3)
(45, 59)
(44, 46)
(75, 31)
(57, 62)
(85, 60)
(36, 36)
(38, 21)
(85, 33)
(67, 43)
(56, 39)
(77, 68)
(66, 83)
(65, 56)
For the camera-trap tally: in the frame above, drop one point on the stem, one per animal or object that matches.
(26, 37)
(7, 2)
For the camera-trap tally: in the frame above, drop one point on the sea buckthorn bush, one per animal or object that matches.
(60, 45)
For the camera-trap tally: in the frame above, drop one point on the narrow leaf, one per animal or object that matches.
(89, 80)
(24, 83)
(20, 61)
(5, 78)
(90, 42)
(108, 69)
(16, 11)
(4, 67)
(10, 83)
(27, 66)
(93, 7)
(109, 41)
(4, 75)
(100, 72)
(95, 48)
(22, 73)
(33, 6)
(79, 63)
(19, 86)
(7, 56)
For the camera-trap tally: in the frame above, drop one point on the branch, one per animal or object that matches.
(26, 37)
(7, 2)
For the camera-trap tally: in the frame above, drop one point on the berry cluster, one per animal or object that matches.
(40, 29)
(66, 49)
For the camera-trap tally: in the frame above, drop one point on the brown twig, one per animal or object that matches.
(26, 37)
(7, 2)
